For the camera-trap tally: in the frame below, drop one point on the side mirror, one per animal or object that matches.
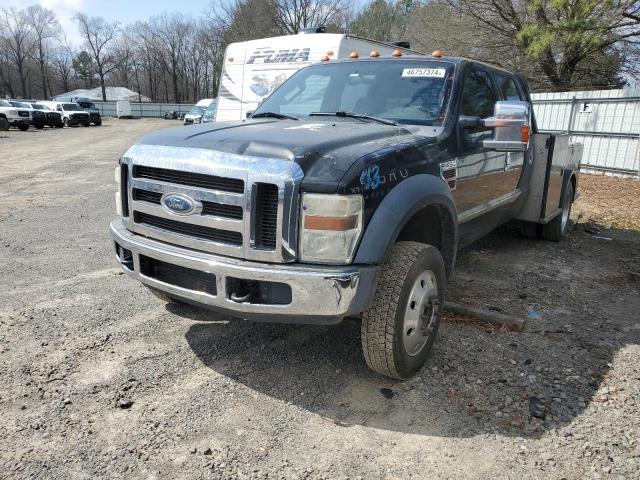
(511, 123)
(466, 121)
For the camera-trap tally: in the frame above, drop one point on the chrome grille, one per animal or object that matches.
(247, 206)
(183, 228)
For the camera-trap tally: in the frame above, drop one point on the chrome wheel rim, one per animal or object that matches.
(421, 313)
(566, 211)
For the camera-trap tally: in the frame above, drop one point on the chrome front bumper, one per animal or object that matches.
(319, 294)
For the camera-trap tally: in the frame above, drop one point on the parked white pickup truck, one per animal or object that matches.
(16, 117)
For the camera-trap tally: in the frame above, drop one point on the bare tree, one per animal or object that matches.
(293, 15)
(170, 31)
(45, 26)
(62, 64)
(17, 41)
(99, 35)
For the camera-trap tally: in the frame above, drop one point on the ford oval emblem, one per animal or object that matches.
(178, 203)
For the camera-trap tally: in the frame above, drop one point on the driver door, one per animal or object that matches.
(481, 171)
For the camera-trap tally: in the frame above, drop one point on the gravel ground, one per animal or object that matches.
(100, 379)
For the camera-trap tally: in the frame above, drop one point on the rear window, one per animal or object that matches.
(507, 87)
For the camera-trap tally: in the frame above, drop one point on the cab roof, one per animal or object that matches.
(457, 61)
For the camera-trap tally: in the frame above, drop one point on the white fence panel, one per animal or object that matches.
(607, 122)
(147, 110)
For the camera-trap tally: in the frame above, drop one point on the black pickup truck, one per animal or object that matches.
(346, 194)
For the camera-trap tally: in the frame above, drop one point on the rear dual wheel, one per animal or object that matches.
(400, 327)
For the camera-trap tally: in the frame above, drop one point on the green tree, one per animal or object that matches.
(570, 42)
(84, 68)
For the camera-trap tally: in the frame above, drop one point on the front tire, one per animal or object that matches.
(65, 123)
(557, 228)
(400, 327)
(23, 128)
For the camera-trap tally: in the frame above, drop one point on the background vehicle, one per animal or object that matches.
(195, 114)
(38, 119)
(210, 113)
(16, 117)
(72, 114)
(171, 115)
(53, 118)
(87, 105)
(4, 123)
(347, 193)
(254, 69)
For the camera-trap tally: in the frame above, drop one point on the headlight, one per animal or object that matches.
(330, 227)
(116, 175)
(13, 112)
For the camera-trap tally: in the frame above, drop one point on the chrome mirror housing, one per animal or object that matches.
(511, 123)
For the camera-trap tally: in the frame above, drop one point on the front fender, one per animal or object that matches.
(398, 207)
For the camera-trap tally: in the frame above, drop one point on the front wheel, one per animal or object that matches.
(65, 123)
(399, 328)
(557, 228)
(23, 127)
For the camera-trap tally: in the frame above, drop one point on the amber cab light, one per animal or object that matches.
(354, 55)
(437, 53)
(325, 58)
(397, 53)
(374, 54)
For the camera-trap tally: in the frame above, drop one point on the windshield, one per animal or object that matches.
(405, 91)
(71, 107)
(20, 104)
(196, 111)
(212, 107)
(87, 105)
(4, 104)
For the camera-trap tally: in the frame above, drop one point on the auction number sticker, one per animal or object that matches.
(424, 72)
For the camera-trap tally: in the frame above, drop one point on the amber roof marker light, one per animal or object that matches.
(396, 53)
(374, 54)
(354, 55)
(437, 53)
(325, 58)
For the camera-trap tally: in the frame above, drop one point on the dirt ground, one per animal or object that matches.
(100, 379)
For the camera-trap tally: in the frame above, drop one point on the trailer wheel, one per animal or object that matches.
(399, 328)
(556, 229)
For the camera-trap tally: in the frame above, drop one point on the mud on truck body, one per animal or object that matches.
(346, 194)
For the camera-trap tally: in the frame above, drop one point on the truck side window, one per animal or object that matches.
(508, 87)
(478, 98)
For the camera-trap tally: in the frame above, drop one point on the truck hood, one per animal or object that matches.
(324, 148)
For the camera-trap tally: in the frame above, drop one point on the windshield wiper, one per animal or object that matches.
(354, 115)
(280, 116)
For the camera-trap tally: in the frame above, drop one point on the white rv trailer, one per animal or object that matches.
(253, 69)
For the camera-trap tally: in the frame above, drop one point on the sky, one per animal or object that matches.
(124, 11)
